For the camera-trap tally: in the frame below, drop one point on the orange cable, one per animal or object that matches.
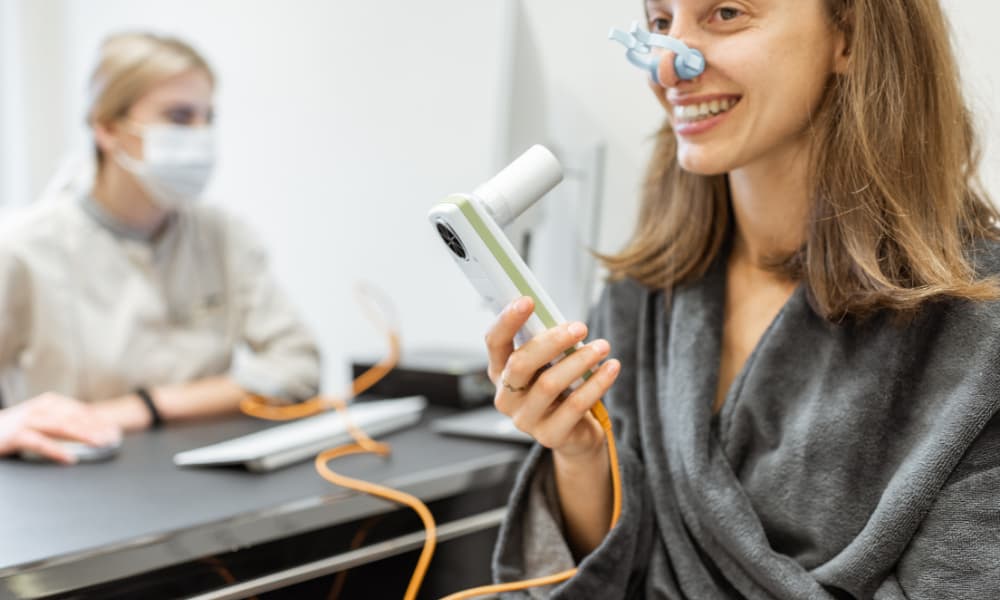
(258, 406)
(389, 494)
(263, 408)
(601, 414)
(363, 443)
(267, 409)
(220, 569)
(359, 537)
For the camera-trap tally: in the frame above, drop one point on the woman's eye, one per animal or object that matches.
(659, 25)
(180, 116)
(728, 14)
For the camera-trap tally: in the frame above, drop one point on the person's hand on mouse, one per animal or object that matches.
(37, 425)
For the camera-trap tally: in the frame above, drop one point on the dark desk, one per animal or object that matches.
(66, 528)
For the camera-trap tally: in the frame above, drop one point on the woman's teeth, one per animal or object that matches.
(697, 112)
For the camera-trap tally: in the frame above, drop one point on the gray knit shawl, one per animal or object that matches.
(851, 460)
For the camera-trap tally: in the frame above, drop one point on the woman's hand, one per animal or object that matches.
(535, 397)
(40, 423)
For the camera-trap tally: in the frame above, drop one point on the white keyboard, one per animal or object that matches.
(303, 439)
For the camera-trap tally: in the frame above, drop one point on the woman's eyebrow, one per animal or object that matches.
(188, 106)
(650, 7)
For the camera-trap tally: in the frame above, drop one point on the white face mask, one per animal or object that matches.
(177, 163)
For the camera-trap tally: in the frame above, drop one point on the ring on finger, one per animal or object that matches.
(511, 388)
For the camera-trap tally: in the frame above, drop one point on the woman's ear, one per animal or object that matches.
(842, 44)
(842, 56)
(105, 137)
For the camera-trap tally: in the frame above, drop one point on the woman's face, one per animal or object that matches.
(768, 64)
(186, 99)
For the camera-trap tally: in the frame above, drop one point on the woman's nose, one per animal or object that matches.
(666, 74)
(672, 69)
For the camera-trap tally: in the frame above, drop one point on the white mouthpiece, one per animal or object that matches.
(520, 184)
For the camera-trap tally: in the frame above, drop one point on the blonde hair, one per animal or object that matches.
(896, 202)
(129, 65)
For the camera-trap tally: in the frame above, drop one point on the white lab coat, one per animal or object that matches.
(90, 311)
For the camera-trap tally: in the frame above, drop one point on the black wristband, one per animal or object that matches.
(147, 399)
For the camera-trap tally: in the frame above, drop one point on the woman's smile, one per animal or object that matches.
(695, 115)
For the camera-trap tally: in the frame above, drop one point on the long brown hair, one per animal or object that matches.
(897, 205)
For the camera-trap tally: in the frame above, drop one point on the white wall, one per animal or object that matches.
(978, 46)
(31, 45)
(340, 124)
(9, 106)
(573, 88)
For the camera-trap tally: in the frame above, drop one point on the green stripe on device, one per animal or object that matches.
(498, 253)
(515, 276)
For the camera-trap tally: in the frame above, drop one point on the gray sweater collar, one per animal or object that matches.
(113, 224)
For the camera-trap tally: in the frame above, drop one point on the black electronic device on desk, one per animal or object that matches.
(445, 377)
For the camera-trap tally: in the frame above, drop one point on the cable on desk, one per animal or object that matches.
(363, 443)
(380, 312)
(260, 407)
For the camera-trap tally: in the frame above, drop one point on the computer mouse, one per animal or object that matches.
(84, 453)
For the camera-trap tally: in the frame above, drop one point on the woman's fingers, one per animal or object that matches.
(555, 381)
(518, 375)
(555, 429)
(90, 430)
(500, 337)
(40, 424)
(540, 351)
(62, 417)
(533, 394)
(37, 442)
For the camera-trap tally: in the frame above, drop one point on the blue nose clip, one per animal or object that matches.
(688, 64)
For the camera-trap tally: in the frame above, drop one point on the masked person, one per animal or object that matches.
(123, 305)
(805, 331)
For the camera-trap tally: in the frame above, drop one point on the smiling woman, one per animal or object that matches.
(807, 322)
(841, 121)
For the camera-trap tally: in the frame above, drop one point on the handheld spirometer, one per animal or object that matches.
(470, 226)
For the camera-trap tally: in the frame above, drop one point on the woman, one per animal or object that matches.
(122, 307)
(806, 329)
